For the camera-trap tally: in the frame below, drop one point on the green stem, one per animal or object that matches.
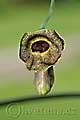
(48, 16)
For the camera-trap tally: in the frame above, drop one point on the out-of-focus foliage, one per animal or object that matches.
(25, 2)
(18, 17)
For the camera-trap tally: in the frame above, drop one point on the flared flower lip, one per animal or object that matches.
(36, 60)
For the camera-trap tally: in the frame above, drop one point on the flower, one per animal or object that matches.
(41, 49)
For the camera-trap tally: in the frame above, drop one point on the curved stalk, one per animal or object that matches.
(48, 16)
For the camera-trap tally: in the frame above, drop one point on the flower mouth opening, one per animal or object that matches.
(40, 46)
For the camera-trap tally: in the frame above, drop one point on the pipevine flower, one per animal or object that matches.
(40, 51)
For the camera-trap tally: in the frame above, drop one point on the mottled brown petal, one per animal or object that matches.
(52, 56)
(52, 51)
(29, 62)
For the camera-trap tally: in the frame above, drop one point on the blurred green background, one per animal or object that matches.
(20, 16)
